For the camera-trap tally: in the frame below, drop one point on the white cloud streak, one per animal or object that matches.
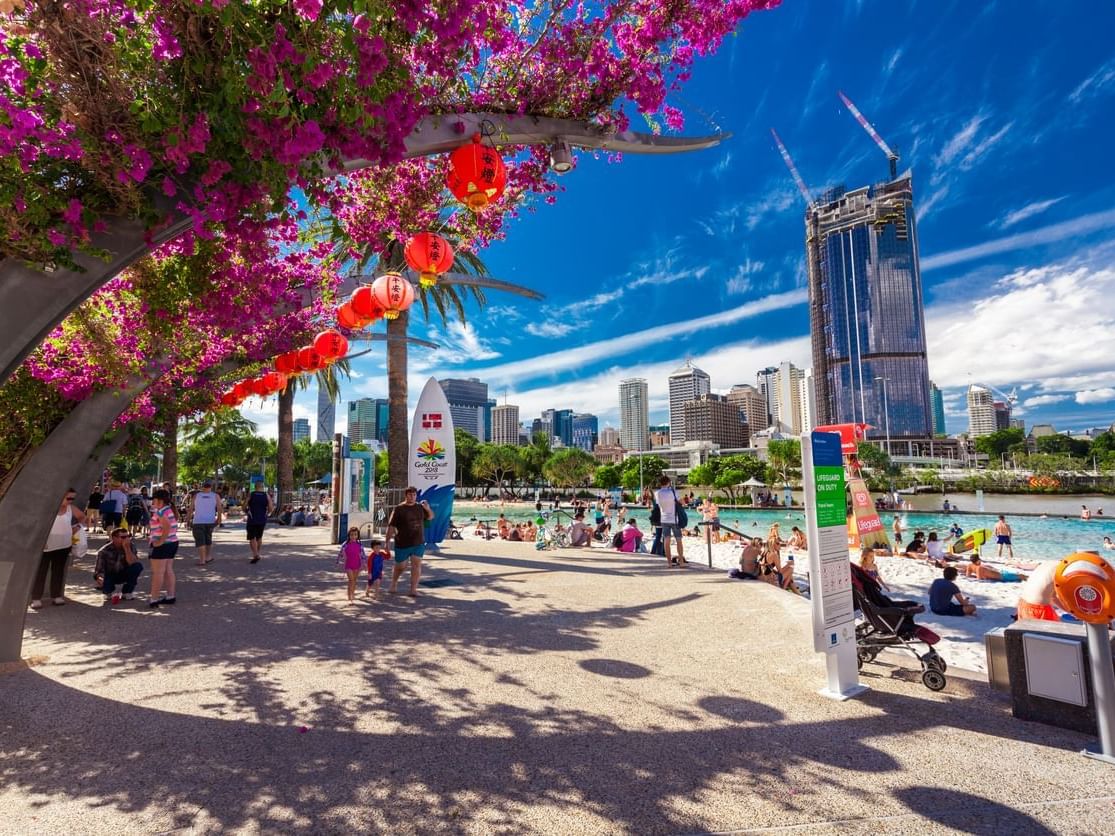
(1044, 400)
(1090, 396)
(1095, 84)
(1027, 211)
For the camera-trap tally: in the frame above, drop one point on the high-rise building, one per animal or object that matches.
(713, 418)
(1002, 415)
(807, 402)
(686, 384)
(764, 382)
(469, 406)
(561, 424)
(540, 426)
(634, 414)
(659, 435)
(752, 403)
(585, 431)
(866, 312)
(301, 429)
(505, 424)
(609, 437)
(326, 416)
(981, 412)
(367, 420)
(786, 383)
(938, 402)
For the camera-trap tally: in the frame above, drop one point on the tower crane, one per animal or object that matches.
(1010, 399)
(892, 157)
(804, 189)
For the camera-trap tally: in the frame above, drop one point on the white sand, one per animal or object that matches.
(961, 637)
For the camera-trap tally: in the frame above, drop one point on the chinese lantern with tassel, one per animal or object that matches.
(429, 255)
(476, 175)
(347, 318)
(331, 345)
(393, 293)
(364, 305)
(309, 360)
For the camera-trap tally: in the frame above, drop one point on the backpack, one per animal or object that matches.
(617, 540)
(655, 515)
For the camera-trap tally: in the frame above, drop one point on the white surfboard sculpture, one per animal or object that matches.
(433, 458)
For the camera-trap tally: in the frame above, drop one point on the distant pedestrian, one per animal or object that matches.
(1003, 536)
(408, 525)
(93, 506)
(164, 546)
(56, 553)
(896, 527)
(351, 556)
(258, 512)
(208, 514)
(112, 507)
(668, 503)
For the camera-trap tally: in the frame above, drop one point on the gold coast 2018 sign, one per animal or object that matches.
(433, 459)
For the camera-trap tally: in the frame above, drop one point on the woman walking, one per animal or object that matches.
(56, 553)
(164, 546)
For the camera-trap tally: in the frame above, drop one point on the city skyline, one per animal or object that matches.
(1002, 124)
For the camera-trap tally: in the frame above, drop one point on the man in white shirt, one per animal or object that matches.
(112, 507)
(208, 513)
(667, 507)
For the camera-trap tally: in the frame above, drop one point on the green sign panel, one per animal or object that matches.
(829, 495)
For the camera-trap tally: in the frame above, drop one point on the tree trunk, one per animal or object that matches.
(285, 463)
(397, 442)
(170, 453)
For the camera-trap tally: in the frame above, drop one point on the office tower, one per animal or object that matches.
(609, 437)
(326, 416)
(301, 429)
(540, 426)
(786, 384)
(807, 402)
(367, 420)
(686, 384)
(634, 414)
(866, 313)
(505, 424)
(753, 404)
(585, 431)
(1002, 415)
(981, 412)
(714, 418)
(764, 382)
(469, 406)
(561, 425)
(659, 435)
(937, 400)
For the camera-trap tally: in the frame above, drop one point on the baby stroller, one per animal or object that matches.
(890, 624)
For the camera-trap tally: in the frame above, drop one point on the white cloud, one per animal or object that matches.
(459, 344)
(518, 370)
(986, 144)
(549, 329)
(1045, 235)
(740, 282)
(1095, 84)
(1044, 400)
(1096, 396)
(928, 203)
(1027, 211)
(722, 165)
(959, 141)
(892, 61)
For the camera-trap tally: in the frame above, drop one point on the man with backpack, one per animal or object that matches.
(112, 507)
(673, 519)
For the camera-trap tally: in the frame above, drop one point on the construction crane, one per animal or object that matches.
(1010, 399)
(804, 189)
(892, 157)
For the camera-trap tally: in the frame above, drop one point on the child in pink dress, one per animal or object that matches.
(352, 556)
(376, 555)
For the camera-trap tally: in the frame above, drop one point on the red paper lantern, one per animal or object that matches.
(331, 345)
(394, 294)
(242, 390)
(259, 387)
(347, 318)
(275, 382)
(309, 360)
(476, 175)
(229, 399)
(430, 255)
(364, 305)
(287, 363)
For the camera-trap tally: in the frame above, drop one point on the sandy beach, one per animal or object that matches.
(961, 638)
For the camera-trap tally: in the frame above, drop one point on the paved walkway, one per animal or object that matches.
(531, 693)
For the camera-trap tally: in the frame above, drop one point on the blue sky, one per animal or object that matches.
(1003, 110)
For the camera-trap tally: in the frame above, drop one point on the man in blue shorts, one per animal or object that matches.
(408, 525)
(259, 510)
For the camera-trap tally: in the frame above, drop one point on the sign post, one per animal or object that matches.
(830, 578)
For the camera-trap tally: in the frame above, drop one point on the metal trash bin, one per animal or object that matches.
(995, 647)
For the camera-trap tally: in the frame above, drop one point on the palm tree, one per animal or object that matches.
(328, 380)
(223, 419)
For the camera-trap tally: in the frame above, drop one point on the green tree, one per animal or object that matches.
(534, 456)
(1061, 443)
(607, 476)
(995, 444)
(784, 458)
(653, 468)
(495, 463)
(312, 459)
(569, 468)
(467, 445)
(704, 475)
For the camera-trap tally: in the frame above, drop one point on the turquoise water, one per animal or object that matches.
(1034, 538)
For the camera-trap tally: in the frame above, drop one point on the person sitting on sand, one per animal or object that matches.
(976, 569)
(797, 539)
(916, 547)
(774, 570)
(942, 592)
(579, 533)
(935, 549)
(749, 568)
(515, 535)
(631, 538)
(867, 564)
(1037, 596)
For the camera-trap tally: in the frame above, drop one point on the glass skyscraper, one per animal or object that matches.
(865, 310)
(469, 406)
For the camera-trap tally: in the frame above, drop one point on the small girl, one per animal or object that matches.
(867, 564)
(352, 555)
(376, 556)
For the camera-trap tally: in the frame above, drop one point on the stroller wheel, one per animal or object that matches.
(933, 679)
(935, 661)
(865, 655)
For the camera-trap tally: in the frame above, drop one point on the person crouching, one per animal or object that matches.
(117, 564)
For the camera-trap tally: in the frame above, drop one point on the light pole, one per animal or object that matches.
(886, 410)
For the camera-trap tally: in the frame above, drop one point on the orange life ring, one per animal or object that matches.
(1085, 583)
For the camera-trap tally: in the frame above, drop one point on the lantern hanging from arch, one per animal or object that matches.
(429, 255)
(476, 175)
(287, 362)
(331, 345)
(309, 360)
(364, 305)
(242, 390)
(259, 387)
(275, 382)
(394, 293)
(347, 318)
